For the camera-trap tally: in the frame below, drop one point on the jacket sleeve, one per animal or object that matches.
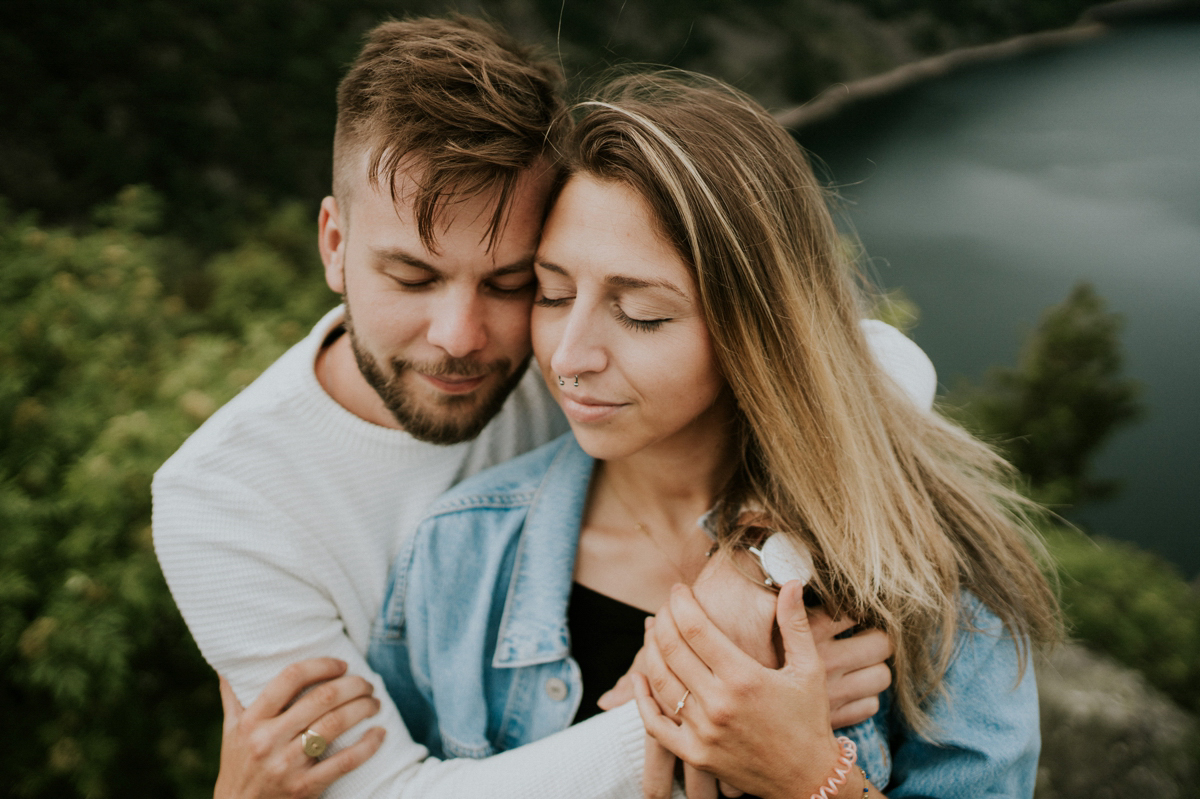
(986, 738)
(253, 608)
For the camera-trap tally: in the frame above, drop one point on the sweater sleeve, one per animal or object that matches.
(253, 606)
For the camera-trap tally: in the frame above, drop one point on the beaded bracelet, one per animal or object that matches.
(840, 769)
(866, 782)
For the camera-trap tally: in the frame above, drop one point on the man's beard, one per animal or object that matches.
(464, 416)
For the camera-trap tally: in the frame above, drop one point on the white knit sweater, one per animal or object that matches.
(276, 523)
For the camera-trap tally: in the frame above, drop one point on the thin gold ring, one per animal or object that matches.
(686, 693)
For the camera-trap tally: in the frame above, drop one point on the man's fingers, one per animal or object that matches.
(342, 718)
(701, 649)
(229, 703)
(323, 774)
(861, 684)
(323, 699)
(618, 695)
(698, 784)
(658, 776)
(844, 655)
(855, 712)
(824, 628)
(284, 687)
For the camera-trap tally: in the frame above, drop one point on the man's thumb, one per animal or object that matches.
(794, 632)
(229, 701)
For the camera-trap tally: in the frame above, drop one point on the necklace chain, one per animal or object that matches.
(646, 532)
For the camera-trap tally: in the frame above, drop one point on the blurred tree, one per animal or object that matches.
(102, 376)
(1064, 399)
(227, 109)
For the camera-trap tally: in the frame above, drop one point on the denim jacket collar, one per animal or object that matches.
(533, 626)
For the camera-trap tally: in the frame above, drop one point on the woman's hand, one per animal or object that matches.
(856, 669)
(766, 731)
(261, 753)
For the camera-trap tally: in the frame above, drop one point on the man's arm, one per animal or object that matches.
(254, 607)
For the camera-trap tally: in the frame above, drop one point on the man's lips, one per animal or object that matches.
(582, 408)
(455, 384)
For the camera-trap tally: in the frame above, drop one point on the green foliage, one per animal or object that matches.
(1134, 607)
(227, 109)
(1064, 399)
(103, 373)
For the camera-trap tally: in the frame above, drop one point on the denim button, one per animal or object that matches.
(556, 689)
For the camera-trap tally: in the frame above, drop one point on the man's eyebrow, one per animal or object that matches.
(621, 281)
(402, 257)
(407, 259)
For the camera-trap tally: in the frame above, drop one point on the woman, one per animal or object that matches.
(697, 322)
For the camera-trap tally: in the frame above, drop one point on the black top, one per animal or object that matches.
(605, 636)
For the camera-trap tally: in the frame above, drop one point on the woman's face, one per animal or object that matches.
(617, 306)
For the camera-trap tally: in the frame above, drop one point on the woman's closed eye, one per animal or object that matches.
(644, 325)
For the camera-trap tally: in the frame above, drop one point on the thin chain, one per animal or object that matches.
(646, 532)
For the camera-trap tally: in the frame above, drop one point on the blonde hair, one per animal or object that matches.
(903, 510)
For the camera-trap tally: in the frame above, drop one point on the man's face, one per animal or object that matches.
(441, 336)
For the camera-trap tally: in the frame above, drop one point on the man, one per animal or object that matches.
(276, 522)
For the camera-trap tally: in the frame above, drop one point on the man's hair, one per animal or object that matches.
(456, 102)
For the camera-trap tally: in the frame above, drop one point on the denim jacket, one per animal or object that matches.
(473, 645)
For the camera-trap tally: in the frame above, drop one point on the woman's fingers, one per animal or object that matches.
(321, 700)
(658, 776)
(663, 729)
(664, 685)
(284, 687)
(854, 713)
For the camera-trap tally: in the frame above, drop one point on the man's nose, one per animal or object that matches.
(457, 325)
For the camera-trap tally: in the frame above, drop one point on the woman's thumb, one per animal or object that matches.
(794, 632)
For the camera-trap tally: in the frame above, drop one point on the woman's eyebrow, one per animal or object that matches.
(627, 282)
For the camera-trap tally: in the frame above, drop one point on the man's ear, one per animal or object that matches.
(331, 241)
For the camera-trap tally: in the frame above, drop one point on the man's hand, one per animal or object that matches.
(261, 753)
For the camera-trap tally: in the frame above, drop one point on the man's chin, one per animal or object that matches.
(439, 417)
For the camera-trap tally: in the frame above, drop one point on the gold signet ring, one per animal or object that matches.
(314, 743)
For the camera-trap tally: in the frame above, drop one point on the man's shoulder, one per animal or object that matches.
(261, 413)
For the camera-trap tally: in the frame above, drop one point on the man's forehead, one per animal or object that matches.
(465, 216)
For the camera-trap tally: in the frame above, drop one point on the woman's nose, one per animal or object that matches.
(581, 348)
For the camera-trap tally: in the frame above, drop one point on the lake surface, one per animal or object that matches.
(989, 193)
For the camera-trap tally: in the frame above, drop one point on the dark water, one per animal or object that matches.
(989, 193)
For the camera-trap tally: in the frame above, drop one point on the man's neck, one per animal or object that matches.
(337, 372)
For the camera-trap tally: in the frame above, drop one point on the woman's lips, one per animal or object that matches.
(579, 408)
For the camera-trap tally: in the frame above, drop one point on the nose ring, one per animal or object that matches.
(576, 381)
(560, 381)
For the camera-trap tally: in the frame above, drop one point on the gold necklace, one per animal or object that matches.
(646, 532)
